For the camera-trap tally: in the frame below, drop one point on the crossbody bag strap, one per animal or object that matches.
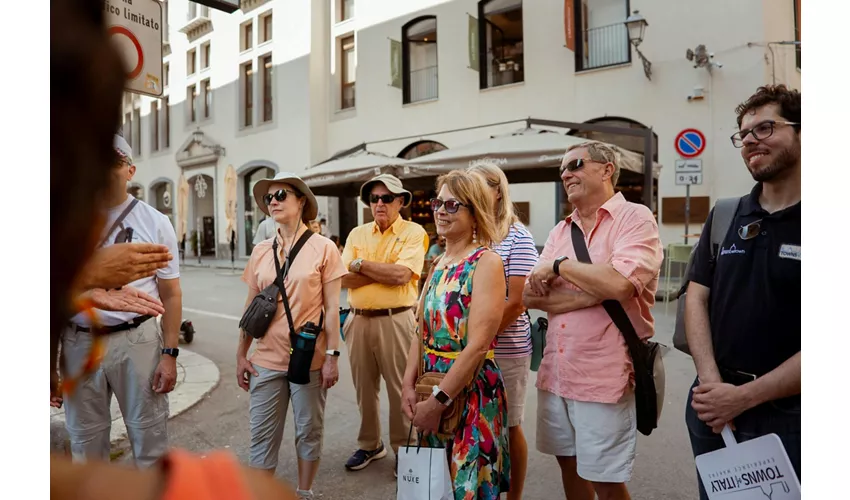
(612, 307)
(118, 221)
(281, 275)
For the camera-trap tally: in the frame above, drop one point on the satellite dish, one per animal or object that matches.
(689, 55)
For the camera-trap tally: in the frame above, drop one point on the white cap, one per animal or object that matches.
(123, 148)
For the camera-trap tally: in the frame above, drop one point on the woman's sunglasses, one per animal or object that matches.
(452, 206)
(278, 195)
(386, 198)
(67, 386)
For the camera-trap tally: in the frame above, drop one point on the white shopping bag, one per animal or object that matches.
(423, 474)
(758, 469)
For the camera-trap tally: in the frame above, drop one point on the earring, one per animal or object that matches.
(474, 236)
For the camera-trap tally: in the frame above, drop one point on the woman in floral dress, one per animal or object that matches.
(461, 309)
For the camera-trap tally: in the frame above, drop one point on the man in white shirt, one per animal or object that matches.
(140, 362)
(265, 230)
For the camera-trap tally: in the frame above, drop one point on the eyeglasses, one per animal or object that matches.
(574, 165)
(278, 195)
(760, 132)
(452, 206)
(96, 352)
(386, 198)
(750, 231)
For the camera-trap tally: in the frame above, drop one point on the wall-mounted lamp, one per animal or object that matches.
(636, 24)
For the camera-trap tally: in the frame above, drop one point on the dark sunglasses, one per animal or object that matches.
(750, 231)
(278, 195)
(574, 165)
(386, 198)
(452, 206)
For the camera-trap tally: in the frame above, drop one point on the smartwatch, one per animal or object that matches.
(556, 267)
(171, 351)
(440, 396)
(332, 352)
(355, 265)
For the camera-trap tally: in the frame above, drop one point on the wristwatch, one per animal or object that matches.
(171, 351)
(355, 265)
(556, 267)
(441, 396)
(332, 352)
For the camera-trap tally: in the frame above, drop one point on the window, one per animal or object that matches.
(191, 99)
(127, 130)
(604, 38)
(419, 59)
(154, 119)
(165, 74)
(500, 38)
(266, 33)
(346, 11)
(205, 55)
(247, 38)
(207, 97)
(248, 93)
(349, 70)
(797, 32)
(196, 10)
(137, 132)
(190, 62)
(268, 109)
(166, 122)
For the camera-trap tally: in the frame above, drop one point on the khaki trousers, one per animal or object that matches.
(378, 347)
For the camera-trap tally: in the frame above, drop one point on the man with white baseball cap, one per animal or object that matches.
(139, 365)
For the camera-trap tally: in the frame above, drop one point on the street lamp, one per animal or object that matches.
(198, 137)
(636, 25)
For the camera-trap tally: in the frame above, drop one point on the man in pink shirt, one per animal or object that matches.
(586, 405)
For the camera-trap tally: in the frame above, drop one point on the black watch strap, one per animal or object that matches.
(171, 351)
(556, 266)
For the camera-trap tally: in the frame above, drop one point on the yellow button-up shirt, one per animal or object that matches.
(403, 244)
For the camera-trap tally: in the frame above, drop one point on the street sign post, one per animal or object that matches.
(136, 28)
(688, 172)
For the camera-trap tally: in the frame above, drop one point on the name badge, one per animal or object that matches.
(789, 252)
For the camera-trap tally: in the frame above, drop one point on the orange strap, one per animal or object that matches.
(190, 477)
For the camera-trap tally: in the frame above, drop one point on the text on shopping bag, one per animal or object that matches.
(755, 469)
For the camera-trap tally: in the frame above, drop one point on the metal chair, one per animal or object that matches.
(676, 253)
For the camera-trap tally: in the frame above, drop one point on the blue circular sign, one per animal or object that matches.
(690, 143)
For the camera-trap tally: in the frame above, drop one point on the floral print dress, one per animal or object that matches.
(478, 452)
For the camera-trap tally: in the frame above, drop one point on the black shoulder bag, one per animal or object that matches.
(646, 356)
(262, 309)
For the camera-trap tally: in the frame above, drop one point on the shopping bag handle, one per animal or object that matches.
(418, 438)
(728, 436)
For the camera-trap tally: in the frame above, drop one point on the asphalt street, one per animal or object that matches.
(213, 299)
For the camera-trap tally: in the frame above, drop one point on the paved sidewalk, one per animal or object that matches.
(210, 262)
(197, 376)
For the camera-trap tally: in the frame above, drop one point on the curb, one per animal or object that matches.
(197, 376)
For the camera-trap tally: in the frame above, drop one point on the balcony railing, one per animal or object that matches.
(605, 46)
(423, 83)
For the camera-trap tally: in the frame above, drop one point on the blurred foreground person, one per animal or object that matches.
(85, 86)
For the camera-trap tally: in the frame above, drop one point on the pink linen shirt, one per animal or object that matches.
(586, 358)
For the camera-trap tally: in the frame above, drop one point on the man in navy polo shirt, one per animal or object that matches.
(743, 306)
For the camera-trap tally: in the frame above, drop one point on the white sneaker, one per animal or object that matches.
(304, 495)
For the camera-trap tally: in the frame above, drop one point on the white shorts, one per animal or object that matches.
(515, 372)
(601, 436)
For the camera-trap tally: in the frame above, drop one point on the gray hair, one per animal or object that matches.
(602, 153)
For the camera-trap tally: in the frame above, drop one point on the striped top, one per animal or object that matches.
(519, 256)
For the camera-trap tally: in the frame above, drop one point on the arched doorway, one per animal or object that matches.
(201, 217)
(419, 210)
(253, 216)
(136, 189)
(161, 195)
(631, 184)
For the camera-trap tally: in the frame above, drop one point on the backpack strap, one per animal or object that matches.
(724, 212)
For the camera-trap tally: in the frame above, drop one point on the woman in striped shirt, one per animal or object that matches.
(513, 349)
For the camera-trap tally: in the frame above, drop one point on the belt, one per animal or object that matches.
(372, 313)
(117, 328)
(736, 377)
(454, 354)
